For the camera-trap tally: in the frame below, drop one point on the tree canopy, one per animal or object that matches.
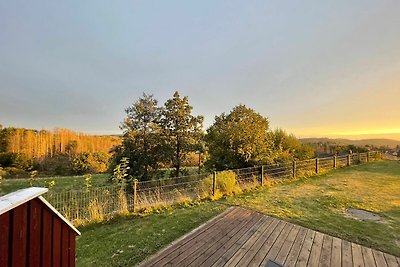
(239, 139)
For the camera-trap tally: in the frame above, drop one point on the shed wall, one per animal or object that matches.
(31, 235)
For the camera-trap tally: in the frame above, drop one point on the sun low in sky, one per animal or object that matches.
(315, 68)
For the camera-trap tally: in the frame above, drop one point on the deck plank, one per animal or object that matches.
(273, 252)
(347, 254)
(326, 252)
(368, 257)
(218, 251)
(235, 246)
(191, 248)
(379, 258)
(259, 257)
(247, 245)
(306, 249)
(199, 254)
(358, 260)
(257, 245)
(287, 245)
(391, 260)
(316, 249)
(336, 258)
(180, 248)
(295, 251)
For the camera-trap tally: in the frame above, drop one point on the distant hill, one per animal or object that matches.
(377, 142)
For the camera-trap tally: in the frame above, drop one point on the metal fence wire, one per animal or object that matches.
(93, 204)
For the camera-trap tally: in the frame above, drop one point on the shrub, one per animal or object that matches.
(17, 160)
(227, 183)
(86, 162)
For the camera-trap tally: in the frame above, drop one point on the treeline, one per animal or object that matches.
(329, 148)
(164, 136)
(61, 151)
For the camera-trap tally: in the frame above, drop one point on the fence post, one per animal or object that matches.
(214, 182)
(348, 160)
(262, 175)
(135, 182)
(294, 169)
(316, 165)
(334, 162)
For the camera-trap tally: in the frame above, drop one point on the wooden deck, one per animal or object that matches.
(240, 237)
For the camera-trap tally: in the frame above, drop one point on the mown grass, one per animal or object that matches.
(320, 203)
(126, 241)
(62, 183)
(317, 202)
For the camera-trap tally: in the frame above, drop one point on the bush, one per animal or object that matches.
(12, 172)
(90, 163)
(58, 165)
(16, 160)
(226, 184)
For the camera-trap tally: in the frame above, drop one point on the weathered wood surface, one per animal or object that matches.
(246, 238)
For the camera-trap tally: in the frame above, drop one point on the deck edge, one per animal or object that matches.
(222, 214)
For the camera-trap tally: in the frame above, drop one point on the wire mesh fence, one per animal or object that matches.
(81, 206)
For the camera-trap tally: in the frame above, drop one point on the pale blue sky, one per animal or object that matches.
(312, 67)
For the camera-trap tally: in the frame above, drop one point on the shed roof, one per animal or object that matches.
(19, 197)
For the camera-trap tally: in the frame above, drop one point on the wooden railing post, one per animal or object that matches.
(294, 169)
(135, 183)
(334, 162)
(214, 182)
(316, 165)
(262, 175)
(348, 160)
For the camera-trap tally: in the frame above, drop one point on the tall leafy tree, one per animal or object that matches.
(239, 139)
(142, 139)
(181, 129)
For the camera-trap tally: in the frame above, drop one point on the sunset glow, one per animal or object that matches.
(314, 69)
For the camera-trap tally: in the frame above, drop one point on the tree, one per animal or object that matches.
(239, 139)
(182, 130)
(287, 147)
(142, 140)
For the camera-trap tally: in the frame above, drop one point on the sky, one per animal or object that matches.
(315, 68)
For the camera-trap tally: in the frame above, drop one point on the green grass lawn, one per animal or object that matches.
(317, 202)
(126, 241)
(62, 183)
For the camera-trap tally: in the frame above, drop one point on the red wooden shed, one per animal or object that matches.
(33, 232)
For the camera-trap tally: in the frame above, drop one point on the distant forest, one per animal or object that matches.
(58, 152)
